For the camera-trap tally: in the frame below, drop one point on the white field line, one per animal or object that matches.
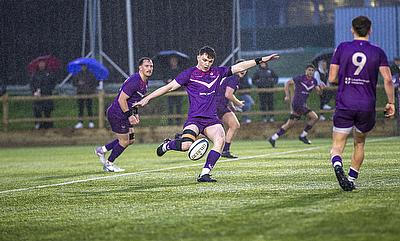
(171, 168)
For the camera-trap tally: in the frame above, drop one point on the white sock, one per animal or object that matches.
(337, 164)
(205, 171)
(164, 147)
(274, 137)
(351, 179)
(104, 149)
(303, 134)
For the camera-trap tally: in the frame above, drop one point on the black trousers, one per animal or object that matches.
(81, 106)
(325, 97)
(43, 108)
(266, 102)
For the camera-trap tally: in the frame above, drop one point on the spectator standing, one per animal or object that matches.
(86, 84)
(43, 83)
(265, 77)
(395, 67)
(321, 75)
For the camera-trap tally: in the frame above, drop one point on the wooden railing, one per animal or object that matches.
(101, 96)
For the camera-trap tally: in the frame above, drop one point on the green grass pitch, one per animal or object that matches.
(287, 193)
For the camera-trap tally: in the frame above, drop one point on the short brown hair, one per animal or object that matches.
(141, 60)
(207, 50)
(361, 25)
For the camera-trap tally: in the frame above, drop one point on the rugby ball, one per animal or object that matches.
(198, 149)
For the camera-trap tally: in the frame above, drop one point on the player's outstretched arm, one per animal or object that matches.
(389, 89)
(171, 86)
(242, 66)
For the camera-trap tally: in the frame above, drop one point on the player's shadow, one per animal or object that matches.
(56, 177)
(150, 188)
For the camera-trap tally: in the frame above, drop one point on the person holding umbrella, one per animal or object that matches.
(86, 71)
(86, 84)
(122, 115)
(43, 82)
(174, 102)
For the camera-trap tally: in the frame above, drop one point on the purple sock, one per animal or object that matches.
(212, 158)
(172, 145)
(111, 145)
(227, 146)
(307, 128)
(281, 132)
(116, 151)
(353, 173)
(175, 145)
(336, 160)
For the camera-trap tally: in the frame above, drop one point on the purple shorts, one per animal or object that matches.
(362, 120)
(300, 110)
(119, 125)
(201, 123)
(221, 111)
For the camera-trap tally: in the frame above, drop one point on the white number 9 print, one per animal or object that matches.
(360, 64)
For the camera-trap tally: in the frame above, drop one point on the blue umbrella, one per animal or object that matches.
(162, 57)
(169, 53)
(100, 71)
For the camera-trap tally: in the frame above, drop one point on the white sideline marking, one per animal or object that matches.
(172, 168)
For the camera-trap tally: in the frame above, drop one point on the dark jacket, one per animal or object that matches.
(265, 78)
(44, 81)
(85, 83)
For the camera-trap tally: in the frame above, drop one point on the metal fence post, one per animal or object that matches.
(5, 111)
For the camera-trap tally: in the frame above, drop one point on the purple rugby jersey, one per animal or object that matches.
(231, 81)
(202, 88)
(302, 89)
(134, 87)
(359, 63)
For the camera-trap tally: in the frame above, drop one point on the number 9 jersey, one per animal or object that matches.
(359, 63)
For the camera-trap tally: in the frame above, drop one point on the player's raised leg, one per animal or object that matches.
(182, 143)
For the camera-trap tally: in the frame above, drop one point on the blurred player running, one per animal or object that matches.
(304, 84)
(355, 67)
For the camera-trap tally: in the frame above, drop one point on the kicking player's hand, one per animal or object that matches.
(389, 110)
(134, 119)
(287, 99)
(269, 58)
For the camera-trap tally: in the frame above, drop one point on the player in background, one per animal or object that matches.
(122, 115)
(201, 82)
(303, 85)
(227, 102)
(354, 67)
